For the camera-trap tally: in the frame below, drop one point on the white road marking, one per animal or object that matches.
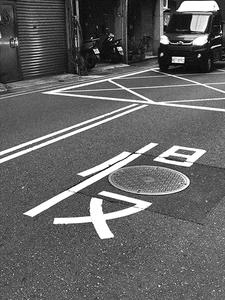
(131, 91)
(56, 91)
(104, 165)
(133, 88)
(192, 81)
(194, 107)
(194, 100)
(198, 74)
(49, 142)
(139, 204)
(146, 148)
(163, 103)
(100, 98)
(144, 77)
(98, 218)
(23, 145)
(174, 152)
(80, 186)
(216, 83)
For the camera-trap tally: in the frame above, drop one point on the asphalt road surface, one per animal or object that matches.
(114, 189)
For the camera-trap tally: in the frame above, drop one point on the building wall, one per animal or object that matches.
(144, 22)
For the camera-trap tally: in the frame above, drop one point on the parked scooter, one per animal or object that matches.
(90, 52)
(111, 49)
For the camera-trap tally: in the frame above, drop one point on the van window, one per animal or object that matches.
(188, 23)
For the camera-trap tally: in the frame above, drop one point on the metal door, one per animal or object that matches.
(8, 43)
(41, 26)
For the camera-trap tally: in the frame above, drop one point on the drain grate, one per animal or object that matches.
(149, 180)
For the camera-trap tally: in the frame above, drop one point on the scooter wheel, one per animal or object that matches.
(90, 60)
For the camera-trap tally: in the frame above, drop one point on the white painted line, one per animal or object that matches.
(199, 74)
(80, 186)
(139, 204)
(133, 88)
(144, 77)
(194, 155)
(54, 92)
(216, 83)
(98, 219)
(23, 145)
(193, 81)
(49, 142)
(131, 91)
(189, 106)
(105, 165)
(47, 204)
(100, 98)
(146, 148)
(194, 100)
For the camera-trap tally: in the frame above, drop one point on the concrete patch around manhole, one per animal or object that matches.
(149, 180)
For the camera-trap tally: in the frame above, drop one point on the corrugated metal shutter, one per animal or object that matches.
(42, 37)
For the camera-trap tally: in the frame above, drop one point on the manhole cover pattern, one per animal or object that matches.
(149, 180)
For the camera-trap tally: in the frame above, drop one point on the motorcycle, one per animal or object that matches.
(90, 53)
(111, 49)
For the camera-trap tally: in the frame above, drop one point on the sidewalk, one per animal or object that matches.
(101, 70)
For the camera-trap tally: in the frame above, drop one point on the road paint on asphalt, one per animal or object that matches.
(189, 106)
(190, 80)
(23, 145)
(131, 91)
(216, 83)
(132, 88)
(56, 91)
(49, 142)
(80, 186)
(98, 218)
(194, 100)
(105, 165)
(171, 103)
(102, 98)
(144, 77)
(169, 156)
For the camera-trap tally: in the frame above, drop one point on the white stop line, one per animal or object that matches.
(98, 218)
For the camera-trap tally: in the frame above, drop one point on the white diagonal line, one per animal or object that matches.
(50, 135)
(49, 142)
(193, 81)
(131, 91)
(140, 204)
(104, 165)
(80, 186)
(98, 219)
(99, 97)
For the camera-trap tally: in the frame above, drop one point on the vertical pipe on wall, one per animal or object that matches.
(121, 20)
(124, 30)
(158, 24)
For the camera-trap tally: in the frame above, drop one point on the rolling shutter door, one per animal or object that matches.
(42, 37)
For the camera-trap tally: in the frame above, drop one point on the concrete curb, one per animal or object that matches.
(100, 71)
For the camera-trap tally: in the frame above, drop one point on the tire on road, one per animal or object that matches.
(206, 65)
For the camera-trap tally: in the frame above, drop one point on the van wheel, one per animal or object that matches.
(163, 67)
(207, 65)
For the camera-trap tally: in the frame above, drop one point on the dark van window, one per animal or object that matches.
(188, 23)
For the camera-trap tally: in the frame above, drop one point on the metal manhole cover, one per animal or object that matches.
(149, 180)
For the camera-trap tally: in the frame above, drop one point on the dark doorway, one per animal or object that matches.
(8, 43)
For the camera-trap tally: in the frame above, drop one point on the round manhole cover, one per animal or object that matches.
(149, 180)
